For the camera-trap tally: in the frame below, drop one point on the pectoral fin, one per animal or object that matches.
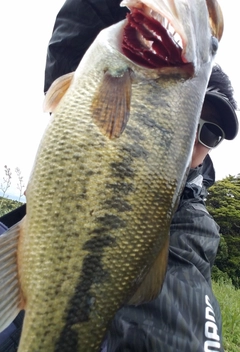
(111, 105)
(56, 92)
(151, 285)
(10, 293)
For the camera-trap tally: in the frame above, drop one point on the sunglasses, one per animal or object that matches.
(209, 134)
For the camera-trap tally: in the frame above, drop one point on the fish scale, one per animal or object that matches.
(66, 217)
(105, 184)
(95, 227)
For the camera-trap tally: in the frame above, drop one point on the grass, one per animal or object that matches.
(229, 300)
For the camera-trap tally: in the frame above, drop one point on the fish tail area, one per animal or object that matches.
(151, 285)
(10, 293)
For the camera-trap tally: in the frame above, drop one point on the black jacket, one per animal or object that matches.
(186, 316)
(77, 25)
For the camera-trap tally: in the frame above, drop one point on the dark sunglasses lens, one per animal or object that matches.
(210, 135)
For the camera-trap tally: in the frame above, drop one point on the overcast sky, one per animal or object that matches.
(25, 29)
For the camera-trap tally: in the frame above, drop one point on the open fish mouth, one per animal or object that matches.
(150, 40)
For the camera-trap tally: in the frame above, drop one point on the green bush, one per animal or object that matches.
(223, 203)
(229, 300)
(7, 205)
(220, 276)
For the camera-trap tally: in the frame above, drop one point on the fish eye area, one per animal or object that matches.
(150, 40)
(214, 45)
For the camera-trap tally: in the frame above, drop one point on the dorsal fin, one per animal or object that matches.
(56, 92)
(111, 104)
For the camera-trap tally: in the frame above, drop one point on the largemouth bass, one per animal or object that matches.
(108, 175)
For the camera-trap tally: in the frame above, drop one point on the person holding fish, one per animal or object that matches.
(139, 166)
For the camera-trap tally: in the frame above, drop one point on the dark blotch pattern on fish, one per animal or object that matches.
(122, 169)
(121, 187)
(166, 135)
(82, 301)
(118, 204)
(149, 122)
(136, 151)
(134, 133)
(111, 221)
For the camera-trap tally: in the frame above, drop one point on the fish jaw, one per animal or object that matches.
(193, 27)
(186, 35)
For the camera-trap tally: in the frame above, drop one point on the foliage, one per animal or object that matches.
(229, 300)
(6, 180)
(7, 205)
(223, 203)
(20, 184)
(218, 275)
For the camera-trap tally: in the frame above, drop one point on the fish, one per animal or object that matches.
(108, 175)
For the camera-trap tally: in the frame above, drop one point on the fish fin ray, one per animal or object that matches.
(152, 283)
(111, 104)
(56, 92)
(10, 293)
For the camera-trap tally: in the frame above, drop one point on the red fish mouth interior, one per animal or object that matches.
(150, 41)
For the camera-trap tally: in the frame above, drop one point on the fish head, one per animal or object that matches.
(172, 33)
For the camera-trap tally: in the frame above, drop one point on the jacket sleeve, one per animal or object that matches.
(77, 24)
(185, 316)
